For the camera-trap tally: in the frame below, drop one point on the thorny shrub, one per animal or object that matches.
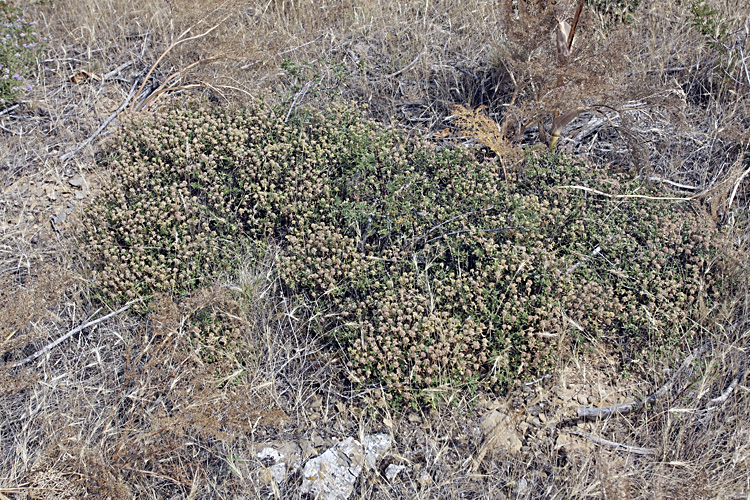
(425, 265)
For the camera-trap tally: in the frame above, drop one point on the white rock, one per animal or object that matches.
(375, 446)
(393, 470)
(332, 475)
(269, 453)
(500, 433)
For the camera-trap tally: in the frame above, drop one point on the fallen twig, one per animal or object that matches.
(57, 342)
(623, 408)
(631, 449)
(104, 125)
(116, 71)
(641, 196)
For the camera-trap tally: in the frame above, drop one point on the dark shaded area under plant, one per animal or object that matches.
(425, 265)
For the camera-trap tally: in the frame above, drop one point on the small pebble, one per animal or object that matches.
(76, 181)
(393, 470)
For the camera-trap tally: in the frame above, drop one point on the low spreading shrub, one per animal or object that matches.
(425, 265)
(20, 45)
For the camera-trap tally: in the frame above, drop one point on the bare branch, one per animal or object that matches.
(631, 449)
(59, 341)
(104, 125)
(639, 196)
(623, 408)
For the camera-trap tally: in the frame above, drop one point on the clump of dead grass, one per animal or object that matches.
(159, 420)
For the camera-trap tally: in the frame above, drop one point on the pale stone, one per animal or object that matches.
(332, 475)
(499, 433)
(269, 453)
(375, 446)
(393, 470)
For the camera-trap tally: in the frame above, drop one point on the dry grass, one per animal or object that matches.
(129, 409)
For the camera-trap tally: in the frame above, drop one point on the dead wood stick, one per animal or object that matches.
(725, 395)
(631, 449)
(57, 342)
(116, 71)
(104, 125)
(623, 408)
